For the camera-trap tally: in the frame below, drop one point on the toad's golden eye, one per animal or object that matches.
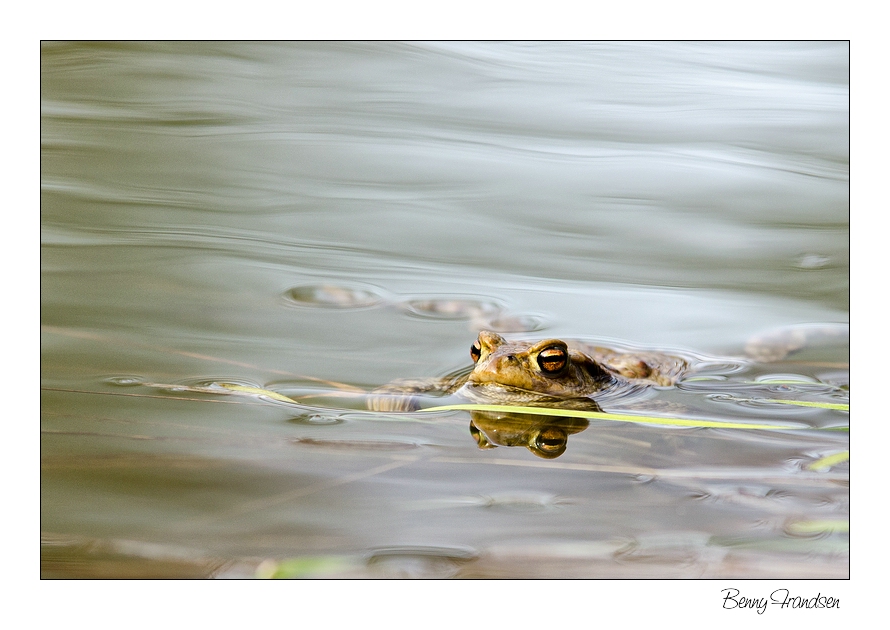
(475, 352)
(553, 359)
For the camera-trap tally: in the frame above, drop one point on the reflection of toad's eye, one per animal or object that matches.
(481, 440)
(549, 443)
(475, 352)
(552, 360)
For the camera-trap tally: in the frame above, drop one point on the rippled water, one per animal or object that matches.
(319, 219)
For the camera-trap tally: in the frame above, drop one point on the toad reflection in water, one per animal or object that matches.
(545, 436)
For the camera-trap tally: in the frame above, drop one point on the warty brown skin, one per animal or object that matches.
(544, 367)
(537, 373)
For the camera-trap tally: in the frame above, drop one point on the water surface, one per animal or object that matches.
(325, 217)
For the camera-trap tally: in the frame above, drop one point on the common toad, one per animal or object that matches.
(536, 373)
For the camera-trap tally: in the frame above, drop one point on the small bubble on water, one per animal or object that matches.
(332, 296)
(450, 308)
(520, 323)
(812, 261)
(419, 562)
(316, 418)
(124, 381)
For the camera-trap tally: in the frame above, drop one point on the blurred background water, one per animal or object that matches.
(270, 214)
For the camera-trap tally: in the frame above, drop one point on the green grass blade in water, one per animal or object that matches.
(806, 403)
(597, 415)
(302, 567)
(824, 463)
(574, 413)
(827, 526)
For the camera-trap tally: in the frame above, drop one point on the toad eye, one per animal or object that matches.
(550, 443)
(475, 352)
(552, 360)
